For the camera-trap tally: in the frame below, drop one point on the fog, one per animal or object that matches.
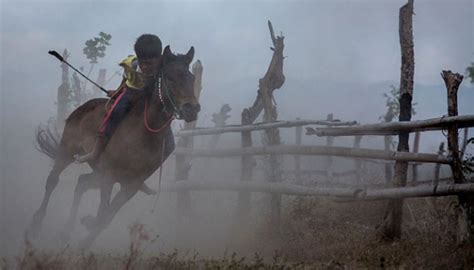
(341, 56)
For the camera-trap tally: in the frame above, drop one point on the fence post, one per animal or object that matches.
(437, 170)
(466, 201)
(329, 159)
(464, 142)
(272, 80)
(416, 147)
(247, 163)
(392, 226)
(299, 137)
(183, 163)
(219, 121)
(357, 161)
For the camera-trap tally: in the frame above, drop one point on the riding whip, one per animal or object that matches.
(60, 58)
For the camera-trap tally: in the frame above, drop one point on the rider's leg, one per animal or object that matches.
(103, 136)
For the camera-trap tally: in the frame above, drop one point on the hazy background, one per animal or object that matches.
(340, 57)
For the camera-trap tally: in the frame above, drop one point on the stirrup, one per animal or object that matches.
(86, 157)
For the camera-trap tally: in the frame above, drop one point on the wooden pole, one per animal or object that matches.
(436, 178)
(252, 112)
(247, 163)
(272, 80)
(349, 193)
(183, 162)
(416, 147)
(329, 159)
(219, 121)
(309, 150)
(438, 167)
(358, 162)
(464, 142)
(299, 137)
(466, 202)
(388, 167)
(77, 89)
(392, 227)
(395, 128)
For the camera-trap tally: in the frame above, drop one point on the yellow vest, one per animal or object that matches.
(134, 79)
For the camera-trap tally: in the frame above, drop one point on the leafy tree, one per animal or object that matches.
(470, 72)
(94, 50)
(392, 102)
(468, 163)
(95, 47)
(393, 105)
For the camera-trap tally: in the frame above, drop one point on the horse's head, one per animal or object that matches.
(177, 85)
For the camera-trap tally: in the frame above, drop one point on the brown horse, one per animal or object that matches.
(138, 147)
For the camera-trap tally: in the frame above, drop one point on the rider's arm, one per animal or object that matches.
(113, 93)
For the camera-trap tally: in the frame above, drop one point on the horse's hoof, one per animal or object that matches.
(89, 222)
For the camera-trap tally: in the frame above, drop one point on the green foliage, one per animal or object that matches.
(393, 104)
(468, 162)
(95, 47)
(470, 72)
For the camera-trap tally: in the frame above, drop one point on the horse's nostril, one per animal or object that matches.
(188, 107)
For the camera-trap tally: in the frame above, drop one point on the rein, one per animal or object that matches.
(175, 112)
(149, 128)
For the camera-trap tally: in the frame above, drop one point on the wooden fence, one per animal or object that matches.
(297, 150)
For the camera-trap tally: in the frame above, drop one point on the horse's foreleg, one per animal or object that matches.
(51, 184)
(84, 183)
(105, 192)
(103, 220)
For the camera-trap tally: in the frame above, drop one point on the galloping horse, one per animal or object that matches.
(138, 147)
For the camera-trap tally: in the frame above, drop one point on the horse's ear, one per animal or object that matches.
(190, 55)
(167, 51)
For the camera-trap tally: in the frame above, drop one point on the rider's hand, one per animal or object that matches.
(111, 93)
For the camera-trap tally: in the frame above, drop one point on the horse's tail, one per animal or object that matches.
(47, 140)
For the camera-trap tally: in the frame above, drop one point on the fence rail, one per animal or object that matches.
(315, 150)
(261, 126)
(348, 193)
(393, 128)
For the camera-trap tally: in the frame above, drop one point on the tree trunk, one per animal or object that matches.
(272, 80)
(64, 94)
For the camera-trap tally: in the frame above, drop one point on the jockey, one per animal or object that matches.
(136, 69)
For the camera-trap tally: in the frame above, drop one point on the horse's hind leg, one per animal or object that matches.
(84, 183)
(60, 164)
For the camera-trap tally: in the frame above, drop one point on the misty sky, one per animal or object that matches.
(350, 45)
(350, 41)
(334, 49)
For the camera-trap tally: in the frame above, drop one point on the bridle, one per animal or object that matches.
(160, 89)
